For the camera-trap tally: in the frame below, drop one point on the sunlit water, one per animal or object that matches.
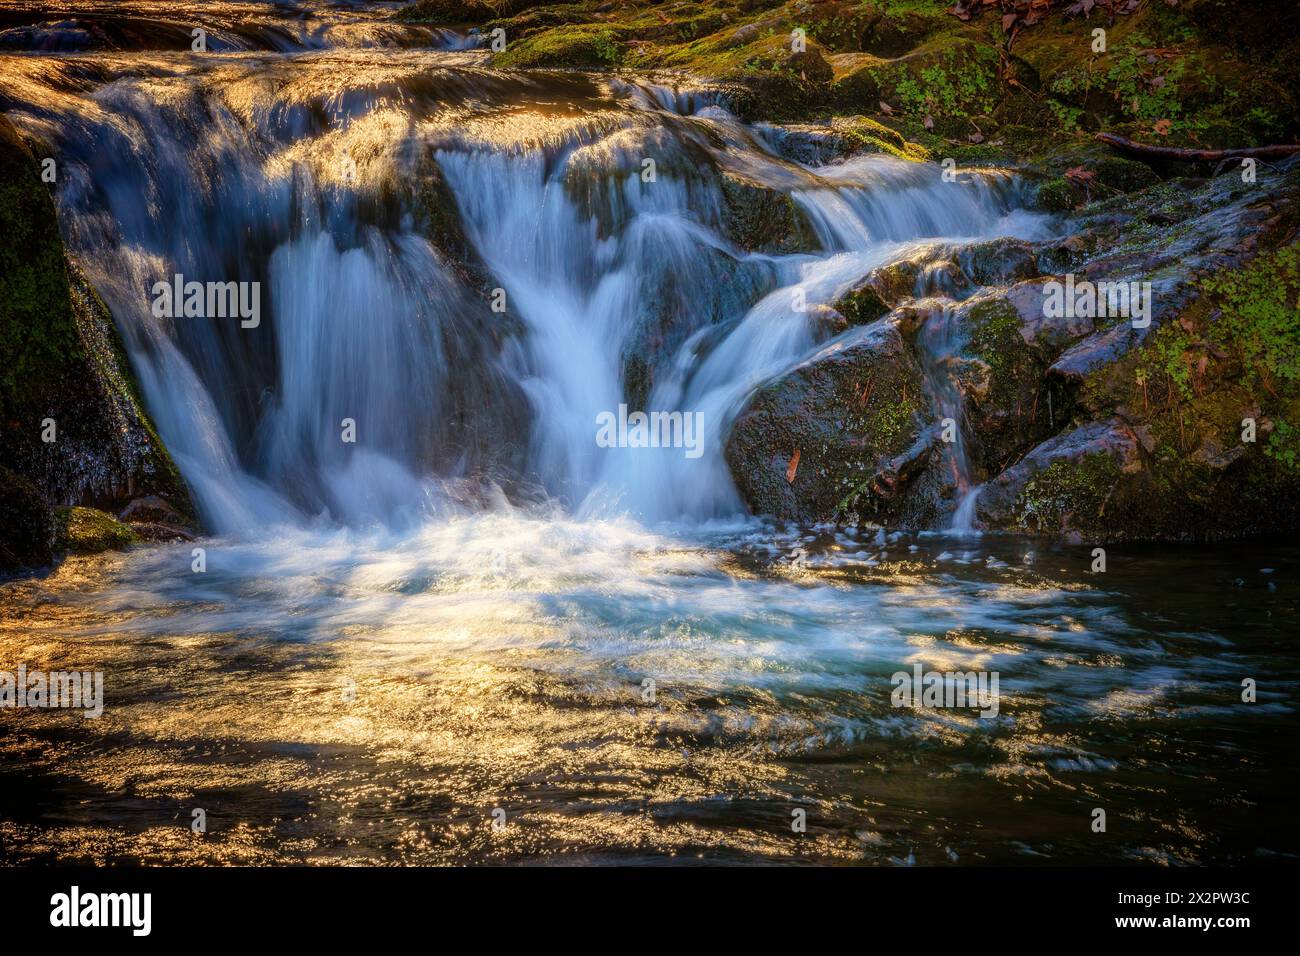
(340, 696)
(478, 609)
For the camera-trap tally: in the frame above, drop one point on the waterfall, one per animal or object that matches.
(618, 287)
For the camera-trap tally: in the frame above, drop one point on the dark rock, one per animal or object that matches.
(63, 373)
(26, 524)
(762, 219)
(1064, 484)
(853, 412)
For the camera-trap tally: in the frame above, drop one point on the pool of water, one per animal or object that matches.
(516, 686)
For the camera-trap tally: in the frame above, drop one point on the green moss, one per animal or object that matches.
(455, 11)
(887, 428)
(868, 135)
(1284, 446)
(1077, 491)
(1056, 195)
(862, 306)
(38, 340)
(566, 46)
(891, 425)
(946, 79)
(1260, 321)
(1255, 325)
(996, 340)
(90, 531)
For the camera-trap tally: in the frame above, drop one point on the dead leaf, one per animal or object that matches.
(1162, 127)
(928, 122)
(793, 468)
(1080, 175)
(886, 108)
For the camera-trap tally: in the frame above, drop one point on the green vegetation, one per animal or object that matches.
(1077, 491)
(89, 531)
(567, 46)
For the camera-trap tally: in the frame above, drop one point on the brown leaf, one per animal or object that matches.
(1008, 20)
(886, 108)
(792, 468)
(1080, 175)
(928, 122)
(1162, 127)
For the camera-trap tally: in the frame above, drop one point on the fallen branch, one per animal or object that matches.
(1197, 155)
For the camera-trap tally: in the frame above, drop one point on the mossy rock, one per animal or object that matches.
(1068, 495)
(1055, 195)
(580, 46)
(948, 79)
(759, 218)
(457, 12)
(71, 417)
(89, 531)
(1007, 403)
(38, 335)
(862, 306)
(855, 415)
(864, 135)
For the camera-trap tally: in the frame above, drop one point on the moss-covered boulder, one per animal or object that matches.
(948, 80)
(841, 137)
(578, 46)
(1065, 485)
(1009, 405)
(844, 432)
(89, 531)
(71, 419)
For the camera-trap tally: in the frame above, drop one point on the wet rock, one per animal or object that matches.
(1000, 262)
(26, 524)
(1063, 485)
(89, 531)
(759, 218)
(1000, 376)
(152, 518)
(862, 305)
(62, 36)
(71, 420)
(1037, 328)
(853, 413)
(817, 144)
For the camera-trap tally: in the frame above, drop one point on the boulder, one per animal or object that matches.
(843, 432)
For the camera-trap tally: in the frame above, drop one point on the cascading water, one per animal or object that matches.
(315, 190)
(502, 592)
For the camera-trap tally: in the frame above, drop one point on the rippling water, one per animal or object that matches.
(631, 672)
(340, 696)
